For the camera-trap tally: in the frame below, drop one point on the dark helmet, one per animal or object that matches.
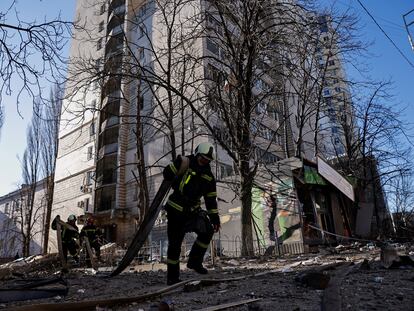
(72, 217)
(206, 150)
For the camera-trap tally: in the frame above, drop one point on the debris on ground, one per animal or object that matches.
(294, 282)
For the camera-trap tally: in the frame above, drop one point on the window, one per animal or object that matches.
(331, 63)
(98, 65)
(338, 89)
(141, 100)
(265, 156)
(141, 53)
(101, 26)
(279, 139)
(86, 205)
(92, 129)
(92, 104)
(326, 92)
(212, 47)
(141, 31)
(90, 153)
(102, 9)
(226, 170)
(334, 130)
(89, 177)
(6, 209)
(261, 107)
(99, 44)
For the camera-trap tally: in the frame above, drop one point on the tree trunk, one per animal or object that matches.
(50, 188)
(246, 210)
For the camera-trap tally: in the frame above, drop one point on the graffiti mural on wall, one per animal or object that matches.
(275, 213)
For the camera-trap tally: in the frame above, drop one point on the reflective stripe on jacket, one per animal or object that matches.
(196, 182)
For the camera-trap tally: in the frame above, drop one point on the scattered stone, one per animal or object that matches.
(192, 286)
(365, 265)
(378, 279)
(314, 279)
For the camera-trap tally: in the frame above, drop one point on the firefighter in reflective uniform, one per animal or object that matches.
(184, 211)
(70, 238)
(94, 235)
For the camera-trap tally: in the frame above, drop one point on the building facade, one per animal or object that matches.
(13, 219)
(123, 103)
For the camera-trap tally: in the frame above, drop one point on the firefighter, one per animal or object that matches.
(184, 213)
(94, 235)
(70, 237)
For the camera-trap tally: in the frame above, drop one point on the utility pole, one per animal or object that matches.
(409, 24)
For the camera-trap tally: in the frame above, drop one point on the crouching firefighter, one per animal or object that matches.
(191, 179)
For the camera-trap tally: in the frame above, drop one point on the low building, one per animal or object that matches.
(12, 213)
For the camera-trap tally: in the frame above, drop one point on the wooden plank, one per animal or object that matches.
(89, 251)
(229, 305)
(59, 242)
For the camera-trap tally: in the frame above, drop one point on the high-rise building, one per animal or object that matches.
(129, 61)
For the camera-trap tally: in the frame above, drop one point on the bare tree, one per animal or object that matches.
(30, 212)
(401, 199)
(1, 118)
(30, 52)
(49, 149)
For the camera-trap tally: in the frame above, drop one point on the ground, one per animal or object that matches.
(277, 283)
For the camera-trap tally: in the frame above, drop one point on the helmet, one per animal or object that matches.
(206, 150)
(72, 218)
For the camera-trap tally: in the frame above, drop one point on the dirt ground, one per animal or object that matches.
(277, 283)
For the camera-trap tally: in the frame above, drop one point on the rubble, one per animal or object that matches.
(304, 282)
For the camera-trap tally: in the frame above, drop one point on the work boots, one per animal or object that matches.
(195, 259)
(173, 274)
(197, 267)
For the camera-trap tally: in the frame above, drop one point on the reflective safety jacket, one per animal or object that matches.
(196, 182)
(68, 235)
(92, 232)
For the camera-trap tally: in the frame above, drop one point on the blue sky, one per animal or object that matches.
(387, 64)
(13, 133)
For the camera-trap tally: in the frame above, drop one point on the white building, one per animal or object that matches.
(97, 160)
(13, 209)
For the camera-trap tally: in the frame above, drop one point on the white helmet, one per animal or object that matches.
(206, 150)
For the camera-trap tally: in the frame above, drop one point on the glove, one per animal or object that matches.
(215, 221)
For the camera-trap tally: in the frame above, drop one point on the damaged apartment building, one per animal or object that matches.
(97, 169)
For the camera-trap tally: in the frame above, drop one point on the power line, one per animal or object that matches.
(379, 17)
(388, 37)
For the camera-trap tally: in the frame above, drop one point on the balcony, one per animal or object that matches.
(111, 121)
(114, 44)
(107, 177)
(105, 198)
(111, 85)
(116, 30)
(116, 5)
(112, 97)
(116, 19)
(107, 149)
